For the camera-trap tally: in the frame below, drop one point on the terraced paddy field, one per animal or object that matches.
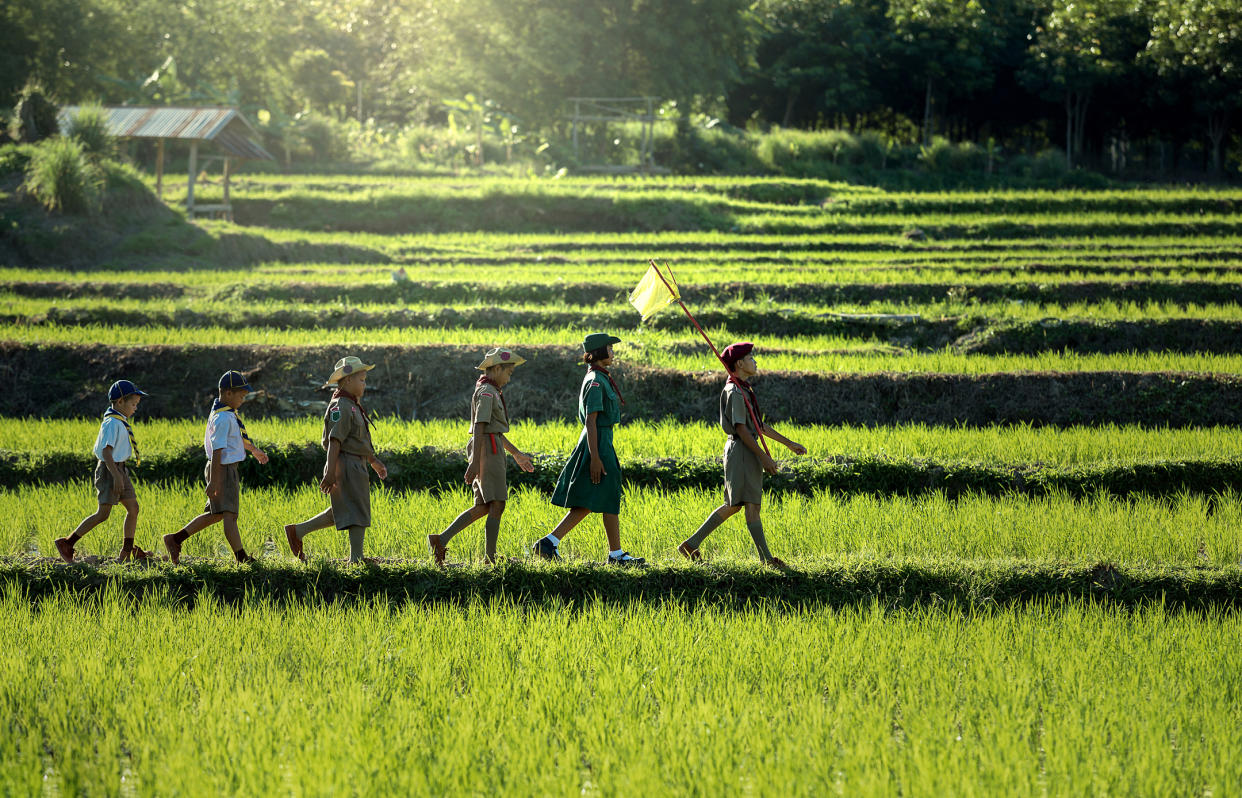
(1014, 539)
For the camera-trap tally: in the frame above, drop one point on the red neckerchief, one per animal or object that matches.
(486, 380)
(338, 393)
(748, 396)
(611, 382)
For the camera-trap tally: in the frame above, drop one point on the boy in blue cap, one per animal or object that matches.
(226, 444)
(114, 446)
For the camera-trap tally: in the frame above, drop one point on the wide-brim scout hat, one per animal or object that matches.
(735, 352)
(123, 388)
(500, 357)
(598, 341)
(345, 367)
(233, 379)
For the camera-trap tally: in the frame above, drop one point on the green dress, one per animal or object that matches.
(574, 487)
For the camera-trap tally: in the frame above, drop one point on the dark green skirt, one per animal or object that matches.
(574, 487)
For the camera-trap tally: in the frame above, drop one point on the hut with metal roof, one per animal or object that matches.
(225, 128)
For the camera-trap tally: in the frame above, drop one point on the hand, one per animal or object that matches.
(380, 468)
(213, 490)
(328, 483)
(597, 470)
(797, 448)
(261, 456)
(524, 462)
(769, 464)
(472, 473)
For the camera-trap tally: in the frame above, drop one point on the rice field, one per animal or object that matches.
(258, 690)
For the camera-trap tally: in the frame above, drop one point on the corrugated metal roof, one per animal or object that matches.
(224, 126)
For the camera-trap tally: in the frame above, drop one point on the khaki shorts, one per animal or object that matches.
(107, 489)
(229, 500)
(351, 498)
(743, 475)
(492, 483)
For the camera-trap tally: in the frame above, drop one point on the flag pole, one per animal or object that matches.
(732, 377)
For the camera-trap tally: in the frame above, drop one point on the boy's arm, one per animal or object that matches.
(258, 453)
(217, 474)
(794, 447)
(330, 466)
(520, 457)
(110, 463)
(478, 452)
(743, 434)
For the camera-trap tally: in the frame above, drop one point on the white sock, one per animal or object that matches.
(616, 554)
(555, 540)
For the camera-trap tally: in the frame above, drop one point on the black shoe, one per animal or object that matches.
(544, 549)
(626, 561)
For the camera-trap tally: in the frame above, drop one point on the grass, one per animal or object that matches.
(805, 530)
(604, 700)
(1107, 444)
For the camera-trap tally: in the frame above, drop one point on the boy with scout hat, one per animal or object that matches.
(226, 444)
(114, 446)
(591, 479)
(744, 460)
(489, 421)
(347, 439)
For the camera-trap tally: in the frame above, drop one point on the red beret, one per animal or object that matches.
(735, 352)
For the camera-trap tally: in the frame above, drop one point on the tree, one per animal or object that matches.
(1077, 48)
(1201, 40)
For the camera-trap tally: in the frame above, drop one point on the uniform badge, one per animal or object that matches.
(335, 415)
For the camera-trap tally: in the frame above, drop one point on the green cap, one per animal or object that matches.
(598, 341)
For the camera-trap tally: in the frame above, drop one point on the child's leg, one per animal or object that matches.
(612, 528)
(572, 518)
(321, 521)
(64, 546)
(491, 529)
(356, 535)
(131, 521)
(462, 521)
(755, 526)
(721, 514)
(233, 536)
(173, 541)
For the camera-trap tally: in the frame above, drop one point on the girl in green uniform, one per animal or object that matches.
(591, 480)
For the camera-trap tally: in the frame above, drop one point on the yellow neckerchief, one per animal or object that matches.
(220, 407)
(133, 442)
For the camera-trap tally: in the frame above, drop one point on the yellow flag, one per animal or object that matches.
(651, 294)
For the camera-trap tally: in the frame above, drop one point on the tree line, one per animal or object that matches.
(1112, 83)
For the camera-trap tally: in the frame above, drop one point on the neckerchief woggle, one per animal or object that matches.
(218, 406)
(133, 442)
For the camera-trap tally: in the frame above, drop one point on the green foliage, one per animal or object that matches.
(89, 128)
(35, 115)
(62, 178)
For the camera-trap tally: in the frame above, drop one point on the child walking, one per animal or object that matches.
(226, 443)
(347, 439)
(591, 479)
(489, 421)
(744, 460)
(114, 446)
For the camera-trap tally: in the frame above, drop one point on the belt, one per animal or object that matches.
(351, 454)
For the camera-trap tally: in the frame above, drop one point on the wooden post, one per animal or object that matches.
(189, 194)
(159, 169)
(228, 209)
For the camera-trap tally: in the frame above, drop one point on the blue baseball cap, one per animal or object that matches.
(123, 388)
(233, 379)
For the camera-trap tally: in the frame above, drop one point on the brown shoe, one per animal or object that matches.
(64, 548)
(437, 551)
(174, 548)
(295, 542)
(690, 554)
(134, 553)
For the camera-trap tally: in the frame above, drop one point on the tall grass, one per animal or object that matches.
(111, 696)
(62, 178)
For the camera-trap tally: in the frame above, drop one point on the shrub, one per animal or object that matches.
(1049, 164)
(62, 178)
(325, 140)
(14, 158)
(804, 153)
(36, 115)
(90, 129)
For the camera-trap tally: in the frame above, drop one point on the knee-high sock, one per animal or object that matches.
(356, 535)
(459, 523)
(714, 520)
(491, 534)
(756, 534)
(321, 521)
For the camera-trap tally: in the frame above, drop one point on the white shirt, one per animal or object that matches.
(223, 433)
(112, 433)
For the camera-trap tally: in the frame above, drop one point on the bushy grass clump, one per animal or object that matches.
(62, 178)
(89, 128)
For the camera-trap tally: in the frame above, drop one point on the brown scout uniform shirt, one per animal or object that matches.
(743, 473)
(487, 408)
(351, 499)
